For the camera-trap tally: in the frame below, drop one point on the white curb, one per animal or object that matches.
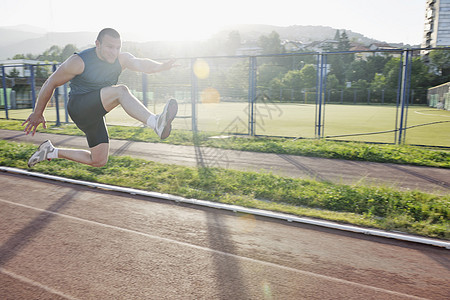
(235, 208)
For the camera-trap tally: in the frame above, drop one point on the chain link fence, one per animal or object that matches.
(375, 97)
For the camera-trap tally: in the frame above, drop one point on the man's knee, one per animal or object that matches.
(112, 96)
(99, 155)
(99, 162)
(121, 90)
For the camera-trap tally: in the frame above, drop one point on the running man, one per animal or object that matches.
(93, 76)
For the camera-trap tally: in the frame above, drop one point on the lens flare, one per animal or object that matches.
(201, 69)
(210, 95)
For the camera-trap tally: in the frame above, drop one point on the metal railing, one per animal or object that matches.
(254, 95)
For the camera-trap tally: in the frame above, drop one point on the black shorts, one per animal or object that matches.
(88, 113)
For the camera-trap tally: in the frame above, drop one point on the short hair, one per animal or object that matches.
(107, 31)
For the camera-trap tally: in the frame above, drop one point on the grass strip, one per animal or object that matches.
(378, 207)
(399, 154)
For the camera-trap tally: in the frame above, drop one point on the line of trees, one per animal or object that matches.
(289, 78)
(377, 74)
(53, 54)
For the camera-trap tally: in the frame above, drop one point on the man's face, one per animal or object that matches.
(108, 49)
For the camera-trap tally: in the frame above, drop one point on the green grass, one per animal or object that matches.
(318, 148)
(298, 120)
(378, 207)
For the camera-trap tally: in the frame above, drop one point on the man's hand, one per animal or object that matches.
(33, 122)
(168, 65)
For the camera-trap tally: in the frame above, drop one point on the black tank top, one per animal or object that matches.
(97, 73)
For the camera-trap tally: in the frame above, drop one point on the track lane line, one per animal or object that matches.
(265, 263)
(35, 283)
(235, 208)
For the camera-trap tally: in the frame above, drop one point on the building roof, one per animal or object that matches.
(14, 62)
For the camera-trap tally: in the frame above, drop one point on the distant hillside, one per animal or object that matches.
(10, 36)
(301, 33)
(37, 43)
(26, 39)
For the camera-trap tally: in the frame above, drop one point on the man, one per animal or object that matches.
(94, 92)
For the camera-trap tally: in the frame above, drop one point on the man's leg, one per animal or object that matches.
(119, 94)
(87, 112)
(96, 156)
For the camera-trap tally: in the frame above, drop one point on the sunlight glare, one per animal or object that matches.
(210, 95)
(201, 69)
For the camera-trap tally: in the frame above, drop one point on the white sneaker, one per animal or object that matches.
(41, 154)
(164, 120)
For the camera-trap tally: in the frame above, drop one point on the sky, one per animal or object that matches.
(392, 21)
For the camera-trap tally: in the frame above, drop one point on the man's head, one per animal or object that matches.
(108, 45)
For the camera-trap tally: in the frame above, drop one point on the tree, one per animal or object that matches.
(357, 70)
(267, 72)
(332, 82)
(294, 82)
(13, 73)
(366, 69)
(337, 36)
(22, 56)
(391, 72)
(52, 54)
(68, 50)
(340, 63)
(378, 83)
(42, 71)
(271, 44)
(233, 42)
(19, 56)
(440, 62)
(420, 74)
(308, 76)
(344, 42)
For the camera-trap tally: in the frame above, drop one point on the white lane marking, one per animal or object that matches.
(425, 114)
(269, 264)
(35, 283)
(235, 208)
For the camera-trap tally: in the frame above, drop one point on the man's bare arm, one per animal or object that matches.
(70, 68)
(145, 65)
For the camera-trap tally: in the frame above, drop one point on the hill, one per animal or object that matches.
(23, 40)
(26, 39)
(301, 33)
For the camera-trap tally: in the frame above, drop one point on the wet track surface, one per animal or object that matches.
(63, 241)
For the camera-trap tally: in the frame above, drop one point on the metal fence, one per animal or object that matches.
(298, 95)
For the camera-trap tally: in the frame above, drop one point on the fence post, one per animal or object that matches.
(324, 89)
(56, 95)
(33, 87)
(194, 93)
(5, 93)
(252, 95)
(316, 128)
(399, 88)
(144, 89)
(404, 91)
(321, 85)
(66, 100)
(408, 93)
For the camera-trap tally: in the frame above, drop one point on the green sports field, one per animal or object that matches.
(298, 120)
